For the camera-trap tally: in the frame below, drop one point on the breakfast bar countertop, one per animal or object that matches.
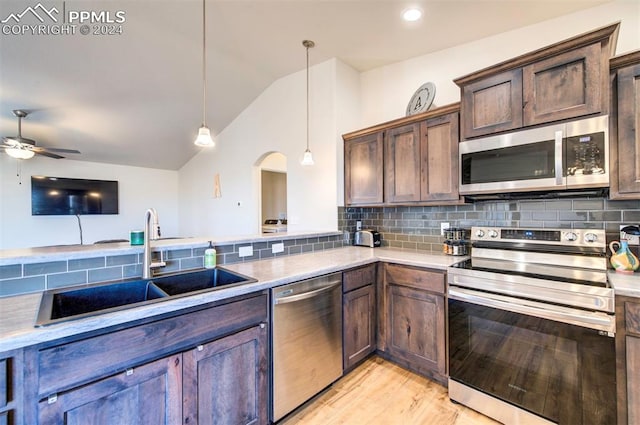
(18, 313)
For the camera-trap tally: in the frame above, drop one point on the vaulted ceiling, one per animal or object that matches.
(136, 98)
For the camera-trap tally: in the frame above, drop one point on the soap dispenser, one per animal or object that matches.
(210, 257)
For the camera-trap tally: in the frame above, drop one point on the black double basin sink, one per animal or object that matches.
(59, 305)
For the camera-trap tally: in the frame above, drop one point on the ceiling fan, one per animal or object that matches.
(22, 148)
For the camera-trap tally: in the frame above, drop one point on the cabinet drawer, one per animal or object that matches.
(632, 317)
(69, 365)
(415, 278)
(357, 278)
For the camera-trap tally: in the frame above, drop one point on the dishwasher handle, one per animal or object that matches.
(305, 295)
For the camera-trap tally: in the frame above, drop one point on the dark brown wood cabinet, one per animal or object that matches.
(402, 164)
(624, 138)
(439, 137)
(148, 394)
(562, 81)
(492, 104)
(224, 380)
(413, 324)
(363, 170)
(359, 314)
(11, 387)
(628, 359)
(211, 360)
(418, 163)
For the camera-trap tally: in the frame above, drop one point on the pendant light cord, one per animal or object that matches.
(308, 97)
(204, 65)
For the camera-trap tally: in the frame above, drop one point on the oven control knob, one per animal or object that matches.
(479, 233)
(493, 234)
(571, 236)
(590, 237)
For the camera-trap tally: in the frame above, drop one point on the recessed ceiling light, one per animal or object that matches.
(412, 14)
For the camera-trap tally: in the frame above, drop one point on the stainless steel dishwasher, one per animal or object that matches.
(306, 340)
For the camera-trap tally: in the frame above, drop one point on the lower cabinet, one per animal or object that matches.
(149, 394)
(414, 326)
(201, 367)
(11, 387)
(359, 314)
(628, 359)
(223, 380)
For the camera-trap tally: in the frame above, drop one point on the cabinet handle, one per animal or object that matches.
(558, 157)
(200, 347)
(262, 326)
(129, 371)
(52, 398)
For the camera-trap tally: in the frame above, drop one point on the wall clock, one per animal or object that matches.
(421, 99)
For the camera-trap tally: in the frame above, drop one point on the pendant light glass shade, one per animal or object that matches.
(307, 159)
(19, 153)
(204, 135)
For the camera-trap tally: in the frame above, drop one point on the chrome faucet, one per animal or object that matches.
(151, 233)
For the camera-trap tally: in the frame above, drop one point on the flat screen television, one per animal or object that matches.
(64, 196)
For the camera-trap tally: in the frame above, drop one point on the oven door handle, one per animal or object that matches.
(598, 321)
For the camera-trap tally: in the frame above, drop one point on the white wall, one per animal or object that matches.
(274, 122)
(139, 189)
(387, 90)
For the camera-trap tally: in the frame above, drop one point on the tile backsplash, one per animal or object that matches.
(35, 277)
(419, 227)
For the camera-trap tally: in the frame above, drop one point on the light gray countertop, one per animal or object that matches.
(18, 314)
(625, 284)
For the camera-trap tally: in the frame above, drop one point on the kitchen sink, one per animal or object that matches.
(58, 305)
(204, 280)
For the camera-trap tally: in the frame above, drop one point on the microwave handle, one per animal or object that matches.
(558, 157)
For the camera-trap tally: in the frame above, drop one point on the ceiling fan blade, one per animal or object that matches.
(43, 152)
(59, 150)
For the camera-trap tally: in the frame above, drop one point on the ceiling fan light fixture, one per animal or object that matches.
(204, 138)
(19, 153)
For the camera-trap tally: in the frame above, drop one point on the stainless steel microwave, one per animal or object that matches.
(572, 155)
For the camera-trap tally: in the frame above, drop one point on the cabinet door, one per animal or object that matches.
(11, 387)
(150, 394)
(564, 86)
(439, 156)
(416, 328)
(363, 170)
(492, 104)
(359, 325)
(402, 164)
(633, 380)
(225, 381)
(628, 143)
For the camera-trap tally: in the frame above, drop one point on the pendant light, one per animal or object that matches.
(204, 135)
(307, 159)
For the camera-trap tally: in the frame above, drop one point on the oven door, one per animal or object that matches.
(561, 372)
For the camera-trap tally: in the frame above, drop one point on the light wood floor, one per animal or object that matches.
(381, 393)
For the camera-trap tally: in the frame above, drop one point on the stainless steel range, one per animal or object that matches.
(531, 327)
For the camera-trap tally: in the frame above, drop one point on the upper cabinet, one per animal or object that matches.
(409, 161)
(566, 80)
(624, 158)
(363, 169)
